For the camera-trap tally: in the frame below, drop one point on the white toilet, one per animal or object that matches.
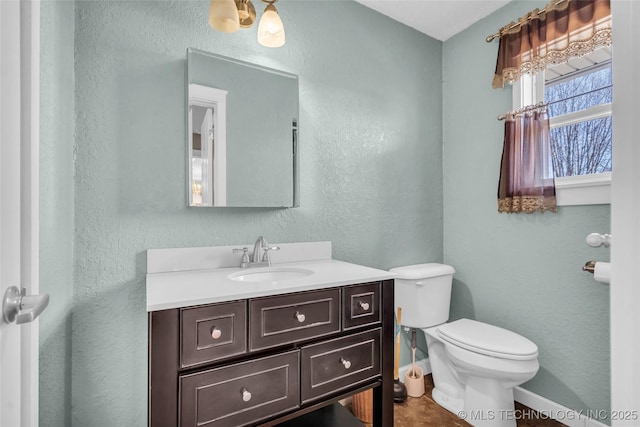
(475, 366)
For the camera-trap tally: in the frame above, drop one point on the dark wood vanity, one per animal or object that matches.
(281, 359)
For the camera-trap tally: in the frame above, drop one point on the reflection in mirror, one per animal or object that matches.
(207, 127)
(242, 133)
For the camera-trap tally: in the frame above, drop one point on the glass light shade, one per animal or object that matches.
(223, 16)
(270, 29)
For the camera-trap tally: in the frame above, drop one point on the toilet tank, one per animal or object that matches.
(424, 293)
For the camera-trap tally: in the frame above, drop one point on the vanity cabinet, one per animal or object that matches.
(273, 359)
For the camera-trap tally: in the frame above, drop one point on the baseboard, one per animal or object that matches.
(570, 417)
(534, 401)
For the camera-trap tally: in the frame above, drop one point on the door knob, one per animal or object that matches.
(20, 307)
(596, 240)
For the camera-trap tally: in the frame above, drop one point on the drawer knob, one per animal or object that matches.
(301, 317)
(345, 363)
(246, 396)
(216, 333)
(364, 305)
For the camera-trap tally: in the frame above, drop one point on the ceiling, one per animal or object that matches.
(439, 19)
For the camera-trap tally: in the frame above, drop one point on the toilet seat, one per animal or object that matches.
(488, 340)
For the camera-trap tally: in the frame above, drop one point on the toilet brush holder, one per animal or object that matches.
(414, 381)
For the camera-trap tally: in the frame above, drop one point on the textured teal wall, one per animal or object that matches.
(56, 209)
(370, 152)
(522, 272)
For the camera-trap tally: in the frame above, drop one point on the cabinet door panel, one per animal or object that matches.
(240, 394)
(290, 318)
(361, 305)
(213, 332)
(330, 366)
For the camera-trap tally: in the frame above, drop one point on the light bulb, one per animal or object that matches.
(270, 29)
(223, 16)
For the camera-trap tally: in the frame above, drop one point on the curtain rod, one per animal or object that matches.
(525, 19)
(543, 105)
(537, 106)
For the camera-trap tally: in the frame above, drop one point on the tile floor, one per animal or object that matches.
(424, 412)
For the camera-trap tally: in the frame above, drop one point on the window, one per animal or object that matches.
(578, 95)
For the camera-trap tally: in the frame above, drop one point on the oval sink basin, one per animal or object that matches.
(271, 275)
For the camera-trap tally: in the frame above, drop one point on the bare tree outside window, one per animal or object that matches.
(583, 146)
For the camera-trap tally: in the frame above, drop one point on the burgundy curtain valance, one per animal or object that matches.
(562, 30)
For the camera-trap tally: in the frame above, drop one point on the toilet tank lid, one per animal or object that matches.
(422, 271)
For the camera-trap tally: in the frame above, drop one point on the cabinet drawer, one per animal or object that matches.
(212, 332)
(242, 393)
(296, 317)
(361, 305)
(330, 366)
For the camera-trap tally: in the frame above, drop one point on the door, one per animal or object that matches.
(206, 148)
(19, 105)
(625, 218)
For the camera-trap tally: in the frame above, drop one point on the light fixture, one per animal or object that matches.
(270, 29)
(230, 15)
(246, 12)
(223, 16)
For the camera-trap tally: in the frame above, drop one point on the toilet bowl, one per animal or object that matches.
(474, 365)
(474, 380)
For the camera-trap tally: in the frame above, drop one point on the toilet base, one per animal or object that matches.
(488, 403)
(447, 402)
(479, 408)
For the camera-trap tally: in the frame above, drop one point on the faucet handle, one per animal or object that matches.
(266, 249)
(244, 263)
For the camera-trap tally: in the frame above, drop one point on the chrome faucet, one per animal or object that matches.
(261, 242)
(260, 256)
(263, 260)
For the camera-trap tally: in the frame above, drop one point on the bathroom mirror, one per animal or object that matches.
(242, 122)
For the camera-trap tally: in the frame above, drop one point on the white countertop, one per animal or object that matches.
(176, 289)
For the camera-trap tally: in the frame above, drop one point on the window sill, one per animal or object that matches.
(584, 190)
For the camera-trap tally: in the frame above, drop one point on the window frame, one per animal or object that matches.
(592, 189)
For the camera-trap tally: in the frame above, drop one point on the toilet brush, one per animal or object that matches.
(399, 390)
(414, 374)
(414, 380)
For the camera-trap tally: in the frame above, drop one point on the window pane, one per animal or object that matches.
(579, 93)
(582, 148)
